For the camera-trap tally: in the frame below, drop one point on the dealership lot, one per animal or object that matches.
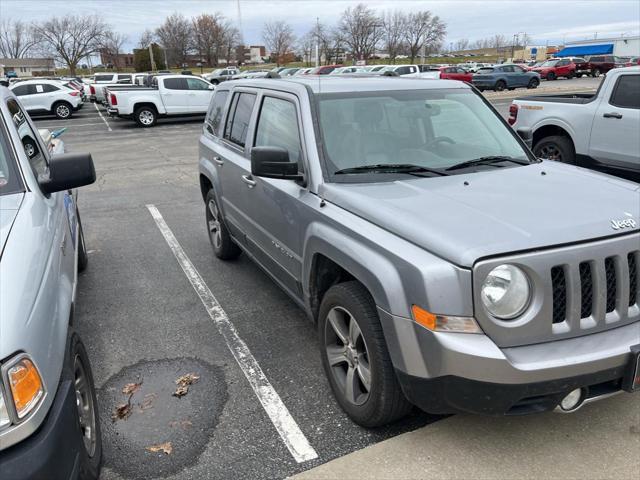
(146, 317)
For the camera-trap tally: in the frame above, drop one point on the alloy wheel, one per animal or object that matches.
(348, 356)
(550, 152)
(85, 405)
(213, 222)
(62, 111)
(146, 117)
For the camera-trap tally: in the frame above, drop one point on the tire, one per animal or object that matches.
(533, 83)
(83, 257)
(62, 110)
(551, 76)
(578, 75)
(363, 344)
(214, 82)
(556, 147)
(595, 73)
(499, 86)
(90, 457)
(223, 245)
(146, 116)
(571, 75)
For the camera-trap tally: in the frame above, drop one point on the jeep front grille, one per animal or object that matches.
(618, 276)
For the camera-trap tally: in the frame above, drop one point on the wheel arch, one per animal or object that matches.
(138, 105)
(552, 129)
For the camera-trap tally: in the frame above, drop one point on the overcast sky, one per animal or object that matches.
(545, 21)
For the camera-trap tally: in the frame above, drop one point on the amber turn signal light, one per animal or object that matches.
(26, 386)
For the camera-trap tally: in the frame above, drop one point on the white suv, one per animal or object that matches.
(47, 96)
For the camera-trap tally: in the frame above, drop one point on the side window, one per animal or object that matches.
(402, 70)
(127, 78)
(596, 59)
(195, 84)
(47, 87)
(36, 157)
(626, 93)
(239, 117)
(278, 127)
(214, 117)
(21, 90)
(176, 83)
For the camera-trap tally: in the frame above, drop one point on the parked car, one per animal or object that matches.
(455, 73)
(303, 71)
(600, 64)
(396, 222)
(323, 69)
(349, 70)
(49, 424)
(378, 68)
(169, 95)
(103, 81)
(597, 131)
(220, 75)
(48, 97)
(504, 76)
(556, 68)
(582, 66)
(633, 61)
(287, 72)
(403, 70)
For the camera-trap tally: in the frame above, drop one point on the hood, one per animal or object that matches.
(500, 210)
(9, 206)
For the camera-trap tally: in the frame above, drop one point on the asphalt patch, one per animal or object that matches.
(156, 417)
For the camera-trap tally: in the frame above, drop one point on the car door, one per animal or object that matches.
(199, 95)
(26, 94)
(614, 135)
(175, 95)
(274, 234)
(520, 77)
(233, 161)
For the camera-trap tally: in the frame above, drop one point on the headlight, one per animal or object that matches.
(26, 386)
(506, 292)
(4, 415)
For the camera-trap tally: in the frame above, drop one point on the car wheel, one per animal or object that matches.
(83, 257)
(90, 458)
(533, 83)
(551, 76)
(214, 82)
(146, 117)
(500, 86)
(355, 357)
(595, 73)
(62, 110)
(579, 75)
(223, 245)
(555, 147)
(570, 75)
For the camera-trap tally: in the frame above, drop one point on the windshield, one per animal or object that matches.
(428, 128)
(9, 181)
(550, 63)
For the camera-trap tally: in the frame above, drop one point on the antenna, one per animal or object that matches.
(240, 21)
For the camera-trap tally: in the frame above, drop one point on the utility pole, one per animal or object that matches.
(166, 63)
(153, 62)
(317, 41)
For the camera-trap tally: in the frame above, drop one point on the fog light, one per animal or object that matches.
(572, 401)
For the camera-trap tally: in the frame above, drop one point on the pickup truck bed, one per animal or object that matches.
(574, 98)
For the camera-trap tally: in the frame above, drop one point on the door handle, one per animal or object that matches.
(218, 160)
(613, 115)
(247, 179)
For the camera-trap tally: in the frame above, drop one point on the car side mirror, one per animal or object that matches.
(211, 87)
(68, 171)
(526, 134)
(273, 162)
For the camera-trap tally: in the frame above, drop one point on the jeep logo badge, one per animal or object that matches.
(624, 223)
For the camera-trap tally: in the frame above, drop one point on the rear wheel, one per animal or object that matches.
(551, 76)
(146, 116)
(579, 75)
(555, 147)
(500, 86)
(355, 357)
(533, 83)
(62, 110)
(570, 75)
(223, 245)
(595, 72)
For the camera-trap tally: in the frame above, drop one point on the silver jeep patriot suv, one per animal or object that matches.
(444, 265)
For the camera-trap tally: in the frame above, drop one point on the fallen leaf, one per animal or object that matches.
(165, 448)
(181, 391)
(147, 401)
(188, 379)
(121, 412)
(131, 388)
(184, 424)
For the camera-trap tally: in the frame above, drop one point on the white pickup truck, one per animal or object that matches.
(169, 95)
(597, 131)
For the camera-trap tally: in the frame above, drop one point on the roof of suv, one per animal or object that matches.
(348, 83)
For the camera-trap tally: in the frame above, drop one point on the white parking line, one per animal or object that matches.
(282, 420)
(103, 119)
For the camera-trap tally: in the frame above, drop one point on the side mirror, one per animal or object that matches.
(211, 87)
(273, 162)
(526, 134)
(68, 171)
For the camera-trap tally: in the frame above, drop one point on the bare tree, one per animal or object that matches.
(230, 39)
(497, 41)
(361, 30)
(279, 38)
(423, 30)
(146, 39)
(393, 24)
(462, 44)
(306, 46)
(111, 44)
(17, 40)
(208, 33)
(175, 36)
(72, 37)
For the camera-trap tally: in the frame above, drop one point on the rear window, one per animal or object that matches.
(239, 117)
(103, 78)
(214, 117)
(626, 93)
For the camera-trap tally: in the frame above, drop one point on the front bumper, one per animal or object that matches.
(53, 451)
(452, 372)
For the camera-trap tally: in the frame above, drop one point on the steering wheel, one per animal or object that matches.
(437, 140)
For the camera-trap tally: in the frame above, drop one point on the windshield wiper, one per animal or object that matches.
(489, 160)
(391, 168)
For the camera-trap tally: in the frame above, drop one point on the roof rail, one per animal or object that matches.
(272, 75)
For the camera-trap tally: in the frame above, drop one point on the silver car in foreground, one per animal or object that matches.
(49, 425)
(444, 265)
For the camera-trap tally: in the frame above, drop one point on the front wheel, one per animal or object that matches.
(570, 75)
(223, 245)
(595, 73)
(355, 357)
(533, 83)
(579, 75)
(555, 147)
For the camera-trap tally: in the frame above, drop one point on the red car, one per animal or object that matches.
(324, 69)
(556, 67)
(455, 73)
(633, 61)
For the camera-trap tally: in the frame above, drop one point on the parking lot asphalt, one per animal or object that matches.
(142, 312)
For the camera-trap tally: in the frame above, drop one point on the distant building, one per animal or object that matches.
(119, 61)
(27, 67)
(620, 46)
(251, 54)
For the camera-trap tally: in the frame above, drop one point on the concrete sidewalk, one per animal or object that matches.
(600, 441)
